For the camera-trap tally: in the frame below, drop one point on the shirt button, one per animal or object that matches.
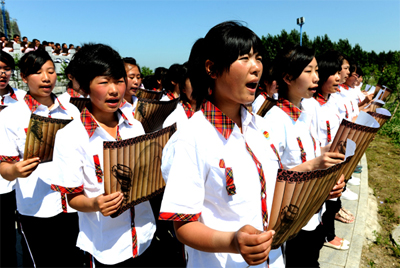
(265, 223)
(263, 195)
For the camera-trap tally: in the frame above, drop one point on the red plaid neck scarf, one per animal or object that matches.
(218, 119)
(170, 96)
(344, 86)
(321, 100)
(328, 130)
(289, 108)
(303, 152)
(73, 93)
(12, 94)
(188, 109)
(34, 104)
(90, 123)
(264, 211)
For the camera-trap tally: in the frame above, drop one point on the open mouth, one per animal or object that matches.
(112, 100)
(252, 85)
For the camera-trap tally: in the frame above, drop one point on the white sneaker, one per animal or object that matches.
(354, 181)
(349, 195)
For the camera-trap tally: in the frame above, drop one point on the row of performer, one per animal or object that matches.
(223, 161)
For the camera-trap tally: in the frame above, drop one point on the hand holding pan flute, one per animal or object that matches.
(22, 169)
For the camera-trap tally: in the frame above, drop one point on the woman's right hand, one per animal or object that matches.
(327, 160)
(108, 204)
(254, 245)
(25, 168)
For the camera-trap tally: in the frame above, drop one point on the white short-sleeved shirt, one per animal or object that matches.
(129, 109)
(291, 124)
(33, 194)
(326, 118)
(195, 163)
(346, 102)
(8, 99)
(180, 115)
(78, 146)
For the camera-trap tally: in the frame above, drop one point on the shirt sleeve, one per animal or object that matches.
(185, 172)
(69, 160)
(8, 136)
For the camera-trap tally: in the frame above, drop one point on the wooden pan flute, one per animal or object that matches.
(266, 106)
(149, 94)
(297, 197)
(362, 135)
(386, 93)
(80, 103)
(381, 115)
(41, 135)
(133, 167)
(375, 105)
(152, 113)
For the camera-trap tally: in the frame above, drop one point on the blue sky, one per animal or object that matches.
(160, 33)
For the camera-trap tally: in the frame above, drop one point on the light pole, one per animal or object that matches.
(301, 21)
(4, 18)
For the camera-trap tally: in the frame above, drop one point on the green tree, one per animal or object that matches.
(146, 71)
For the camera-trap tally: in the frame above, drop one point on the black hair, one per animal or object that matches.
(328, 64)
(33, 61)
(291, 62)
(45, 43)
(70, 45)
(58, 44)
(132, 61)
(177, 73)
(150, 82)
(7, 59)
(222, 45)
(94, 60)
(24, 37)
(16, 35)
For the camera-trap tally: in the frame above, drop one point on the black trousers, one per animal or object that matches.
(328, 218)
(8, 238)
(52, 241)
(303, 250)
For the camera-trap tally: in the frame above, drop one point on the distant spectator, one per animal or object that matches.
(3, 40)
(77, 48)
(8, 47)
(71, 46)
(31, 47)
(25, 39)
(16, 39)
(64, 49)
(36, 43)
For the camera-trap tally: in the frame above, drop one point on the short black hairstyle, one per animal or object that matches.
(33, 61)
(328, 64)
(222, 45)
(16, 35)
(291, 61)
(94, 60)
(7, 59)
(177, 73)
(132, 61)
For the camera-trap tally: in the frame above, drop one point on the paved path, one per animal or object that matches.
(354, 232)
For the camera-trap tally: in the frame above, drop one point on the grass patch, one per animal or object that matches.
(384, 178)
